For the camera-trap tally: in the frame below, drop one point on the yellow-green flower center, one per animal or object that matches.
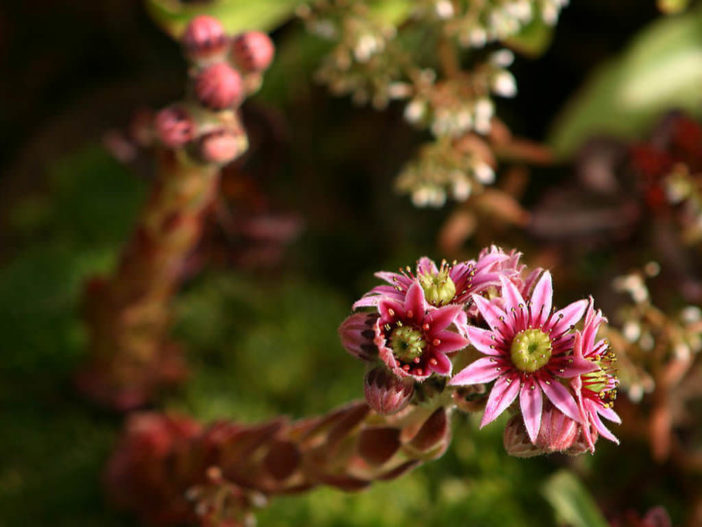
(531, 350)
(438, 287)
(407, 343)
(604, 380)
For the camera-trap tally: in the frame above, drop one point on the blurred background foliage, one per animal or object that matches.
(263, 342)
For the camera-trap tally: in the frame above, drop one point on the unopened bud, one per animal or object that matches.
(205, 39)
(385, 392)
(222, 146)
(558, 432)
(516, 440)
(357, 334)
(252, 51)
(174, 127)
(219, 86)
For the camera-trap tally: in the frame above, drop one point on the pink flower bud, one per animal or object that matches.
(252, 51)
(205, 38)
(357, 333)
(385, 392)
(516, 440)
(222, 146)
(174, 127)
(219, 86)
(558, 432)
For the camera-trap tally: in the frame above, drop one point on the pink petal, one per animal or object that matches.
(385, 306)
(561, 398)
(512, 296)
(442, 317)
(443, 365)
(492, 314)
(482, 340)
(579, 366)
(531, 403)
(610, 414)
(503, 393)
(480, 371)
(426, 266)
(541, 299)
(568, 316)
(530, 280)
(374, 295)
(391, 278)
(602, 429)
(414, 302)
(448, 341)
(461, 323)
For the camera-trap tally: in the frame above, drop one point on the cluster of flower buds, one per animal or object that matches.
(224, 71)
(498, 318)
(668, 168)
(447, 168)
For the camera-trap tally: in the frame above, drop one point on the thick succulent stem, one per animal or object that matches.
(128, 313)
(171, 471)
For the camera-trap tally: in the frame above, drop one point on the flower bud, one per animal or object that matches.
(252, 51)
(174, 127)
(219, 86)
(222, 146)
(516, 440)
(205, 39)
(357, 334)
(558, 432)
(386, 393)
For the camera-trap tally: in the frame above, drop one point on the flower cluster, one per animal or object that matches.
(379, 56)
(225, 70)
(559, 379)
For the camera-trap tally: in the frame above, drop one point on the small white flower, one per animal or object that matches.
(484, 173)
(502, 58)
(478, 37)
(415, 111)
(444, 9)
(631, 330)
(691, 314)
(461, 187)
(503, 84)
(421, 197)
(366, 47)
(484, 110)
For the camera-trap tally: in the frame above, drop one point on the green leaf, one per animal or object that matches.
(236, 15)
(571, 501)
(661, 70)
(533, 40)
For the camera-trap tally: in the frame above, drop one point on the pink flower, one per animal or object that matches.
(412, 340)
(596, 390)
(529, 349)
(442, 285)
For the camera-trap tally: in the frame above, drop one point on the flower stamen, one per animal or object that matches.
(407, 343)
(530, 350)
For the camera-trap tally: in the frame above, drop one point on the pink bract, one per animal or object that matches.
(544, 337)
(425, 329)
